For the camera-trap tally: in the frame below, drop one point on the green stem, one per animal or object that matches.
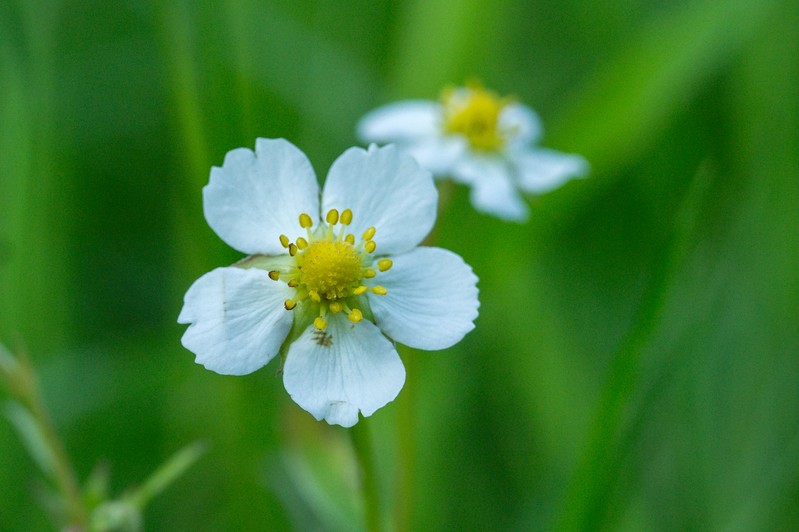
(362, 442)
(407, 442)
(63, 472)
(406, 414)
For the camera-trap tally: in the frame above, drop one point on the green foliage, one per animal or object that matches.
(634, 366)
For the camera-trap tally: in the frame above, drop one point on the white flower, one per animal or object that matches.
(478, 139)
(331, 298)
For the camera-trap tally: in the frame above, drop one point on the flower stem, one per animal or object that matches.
(407, 443)
(24, 383)
(406, 414)
(362, 442)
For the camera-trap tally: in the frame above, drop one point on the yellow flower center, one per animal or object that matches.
(328, 268)
(474, 113)
(331, 269)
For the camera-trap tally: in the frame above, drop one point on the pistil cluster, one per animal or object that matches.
(474, 113)
(328, 267)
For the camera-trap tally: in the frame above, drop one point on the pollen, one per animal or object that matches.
(332, 217)
(331, 269)
(306, 222)
(474, 113)
(328, 269)
(384, 264)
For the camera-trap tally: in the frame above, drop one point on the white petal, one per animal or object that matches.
(401, 121)
(493, 190)
(521, 124)
(543, 170)
(255, 197)
(237, 319)
(347, 368)
(384, 189)
(438, 154)
(431, 301)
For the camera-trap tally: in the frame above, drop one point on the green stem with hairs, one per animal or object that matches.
(23, 383)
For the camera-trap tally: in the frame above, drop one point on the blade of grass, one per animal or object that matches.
(588, 491)
(764, 143)
(32, 233)
(619, 109)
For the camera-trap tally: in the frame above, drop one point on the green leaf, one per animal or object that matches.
(32, 437)
(169, 471)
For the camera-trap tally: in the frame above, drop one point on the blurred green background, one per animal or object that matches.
(636, 362)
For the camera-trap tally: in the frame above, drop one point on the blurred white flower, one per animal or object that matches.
(332, 297)
(479, 139)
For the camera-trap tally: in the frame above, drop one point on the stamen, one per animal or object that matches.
(384, 264)
(355, 316)
(305, 221)
(332, 217)
(329, 267)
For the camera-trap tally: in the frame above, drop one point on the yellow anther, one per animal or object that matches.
(360, 290)
(302, 243)
(290, 304)
(335, 307)
(274, 275)
(355, 316)
(284, 241)
(332, 217)
(320, 323)
(379, 290)
(350, 239)
(369, 273)
(346, 217)
(384, 264)
(370, 246)
(369, 233)
(305, 221)
(292, 249)
(294, 283)
(314, 295)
